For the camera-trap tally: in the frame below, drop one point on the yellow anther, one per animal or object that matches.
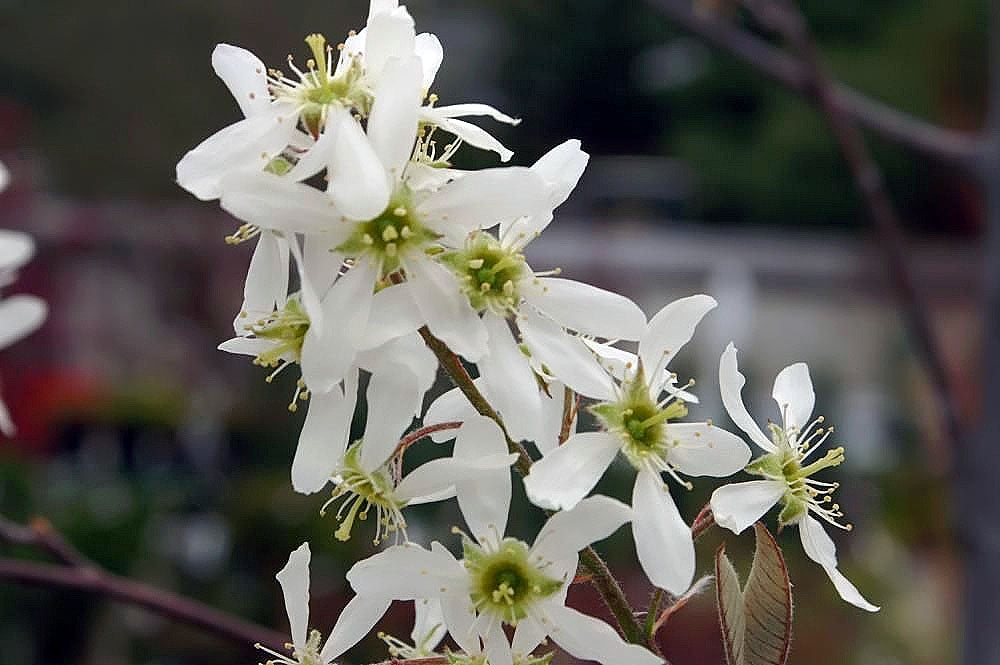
(508, 288)
(367, 239)
(399, 212)
(406, 232)
(476, 264)
(389, 233)
(485, 287)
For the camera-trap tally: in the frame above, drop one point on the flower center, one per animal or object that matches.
(390, 236)
(360, 491)
(307, 655)
(639, 422)
(505, 582)
(286, 329)
(489, 273)
(317, 88)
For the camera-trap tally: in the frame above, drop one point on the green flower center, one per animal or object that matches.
(505, 582)
(489, 273)
(286, 328)
(360, 491)
(393, 234)
(309, 654)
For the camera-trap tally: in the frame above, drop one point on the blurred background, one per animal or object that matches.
(167, 461)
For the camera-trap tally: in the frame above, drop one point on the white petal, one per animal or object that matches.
(326, 355)
(483, 498)
(16, 249)
(307, 294)
(618, 363)
(702, 449)
(20, 315)
(317, 156)
(793, 391)
(482, 199)
(512, 383)
(389, 34)
(394, 314)
(273, 202)
(428, 624)
(497, 647)
(452, 406)
(566, 356)
(587, 638)
(662, 539)
(669, 330)
(245, 76)
(266, 286)
(587, 309)
(393, 397)
(459, 615)
(322, 264)
(323, 439)
(294, 581)
(731, 386)
(466, 131)
(246, 346)
(6, 424)
(446, 309)
(409, 353)
(358, 184)
(561, 167)
(4, 177)
(428, 49)
(527, 635)
(392, 125)
(739, 505)
(562, 478)
(380, 7)
(406, 572)
(550, 424)
(820, 548)
(355, 622)
(248, 145)
(440, 478)
(569, 531)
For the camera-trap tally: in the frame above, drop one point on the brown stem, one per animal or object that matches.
(418, 434)
(40, 533)
(92, 579)
(571, 404)
(703, 522)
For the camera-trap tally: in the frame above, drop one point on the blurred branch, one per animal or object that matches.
(74, 571)
(952, 146)
(787, 20)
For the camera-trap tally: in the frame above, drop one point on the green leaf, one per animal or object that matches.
(757, 621)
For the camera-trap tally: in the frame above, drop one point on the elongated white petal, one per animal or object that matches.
(483, 198)
(389, 34)
(358, 184)
(527, 635)
(617, 362)
(459, 615)
(393, 314)
(483, 498)
(317, 156)
(569, 531)
(245, 76)
(380, 7)
(6, 424)
(446, 309)
(246, 346)
(669, 330)
(466, 131)
(323, 439)
(739, 505)
(587, 309)
(355, 621)
(428, 49)
(463, 110)
(429, 627)
(662, 538)
(793, 391)
(702, 449)
(820, 548)
(566, 357)
(327, 354)
(273, 202)
(551, 423)
(267, 278)
(440, 478)
(731, 383)
(562, 478)
(322, 264)
(406, 572)
(310, 300)
(452, 406)
(496, 645)
(393, 396)
(392, 125)
(294, 581)
(4, 177)
(587, 638)
(16, 249)
(247, 145)
(507, 372)
(20, 315)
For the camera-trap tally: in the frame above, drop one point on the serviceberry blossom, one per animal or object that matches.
(637, 421)
(786, 469)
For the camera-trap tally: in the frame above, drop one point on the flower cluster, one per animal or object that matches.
(20, 315)
(376, 258)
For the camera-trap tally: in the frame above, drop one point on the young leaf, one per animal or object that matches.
(757, 621)
(732, 617)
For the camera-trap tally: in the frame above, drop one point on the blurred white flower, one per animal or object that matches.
(785, 468)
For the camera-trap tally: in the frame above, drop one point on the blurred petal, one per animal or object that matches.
(562, 478)
(16, 249)
(739, 505)
(20, 315)
(731, 386)
(662, 538)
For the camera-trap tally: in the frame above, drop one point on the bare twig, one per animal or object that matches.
(40, 533)
(952, 146)
(418, 434)
(704, 520)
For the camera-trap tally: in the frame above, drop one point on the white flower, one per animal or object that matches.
(637, 423)
(785, 468)
(504, 580)
(355, 621)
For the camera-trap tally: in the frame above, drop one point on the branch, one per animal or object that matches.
(952, 146)
(788, 21)
(418, 434)
(78, 572)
